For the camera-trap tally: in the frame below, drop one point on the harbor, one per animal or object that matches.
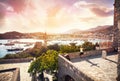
(12, 46)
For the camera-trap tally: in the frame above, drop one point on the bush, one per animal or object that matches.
(54, 47)
(47, 61)
(88, 46)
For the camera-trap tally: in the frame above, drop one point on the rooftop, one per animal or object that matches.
(24, 75)
(98, 68)
(6, 76)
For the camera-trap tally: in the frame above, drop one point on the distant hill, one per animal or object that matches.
(11, 35)
(100, 28)
(18, 35)
(107, 29)
(100, 31)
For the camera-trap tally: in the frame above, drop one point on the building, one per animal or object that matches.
(89, 67)
(93, 67)
(116, 29)
(116, 32)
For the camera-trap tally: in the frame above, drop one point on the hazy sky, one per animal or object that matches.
(54, 15)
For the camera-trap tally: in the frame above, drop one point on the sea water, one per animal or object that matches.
(3, 48)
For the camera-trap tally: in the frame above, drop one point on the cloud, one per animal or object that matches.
(95, 8)
(68, 2)
(2, 13)
(18, 5)
(38, 15)
(5, 9)
(102, 12)
(88, 19)
(106, 3)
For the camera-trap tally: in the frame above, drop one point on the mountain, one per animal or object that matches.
(107, 29)
(98, 28)
(18, 35)
(100, 31)
(11, 35)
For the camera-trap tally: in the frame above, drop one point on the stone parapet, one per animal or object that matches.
(67, 68)
(5, 61)
(15, 74)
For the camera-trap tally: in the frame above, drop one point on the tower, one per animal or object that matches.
(116, 32)
(116, 28)
(45, 39)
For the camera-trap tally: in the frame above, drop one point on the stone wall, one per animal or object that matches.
(116, 32)
(4, 61)
(67, 68)
(16, 73)
(89, 53)
(115, 28)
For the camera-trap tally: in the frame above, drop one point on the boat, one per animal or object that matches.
(9, 44)
(0, 43)
(15, 49)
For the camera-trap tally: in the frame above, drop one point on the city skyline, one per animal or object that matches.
(54, 16)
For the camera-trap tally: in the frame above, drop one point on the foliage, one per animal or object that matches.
(88, 46)
(27, 53)
(37, 52)
(72, 44)
(47, 61)
(13, 56)
(54, 47)
(68, 49)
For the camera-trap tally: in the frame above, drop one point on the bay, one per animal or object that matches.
(22, 43)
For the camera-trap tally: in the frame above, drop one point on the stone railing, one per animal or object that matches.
(67, 68)
(15, 75)
(4, 61)
(87, 53)
(90, 53)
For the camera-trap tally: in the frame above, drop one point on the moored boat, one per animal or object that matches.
(15, 49)
(9, 44)
(0, 43)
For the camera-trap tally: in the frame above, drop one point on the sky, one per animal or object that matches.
(54, 16)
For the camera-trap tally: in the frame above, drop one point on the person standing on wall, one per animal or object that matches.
(81, 51)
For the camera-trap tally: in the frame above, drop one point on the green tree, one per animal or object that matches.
(47, 61)
(35, 52)
(54, 47)
(88, 46)
(69, 49)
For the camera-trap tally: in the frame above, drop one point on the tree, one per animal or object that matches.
(88, 46)
(69, 49)
(54, 47)
(47, 61)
